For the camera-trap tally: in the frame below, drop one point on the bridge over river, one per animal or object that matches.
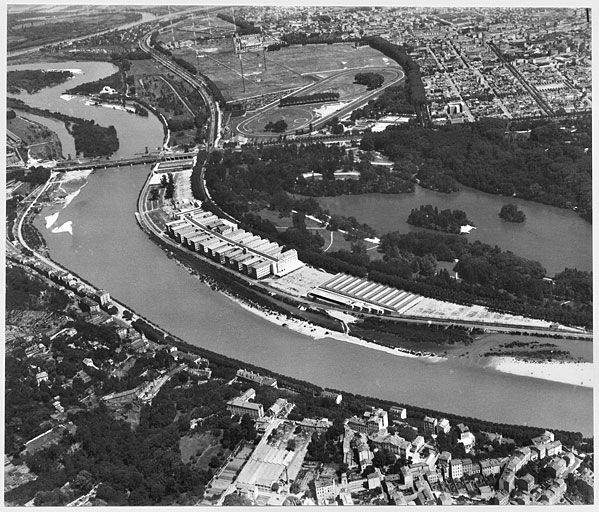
(124, 162)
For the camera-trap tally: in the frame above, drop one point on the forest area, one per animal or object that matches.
(554, 166)
(244, 183)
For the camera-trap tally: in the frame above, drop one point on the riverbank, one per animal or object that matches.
(320, 333)
(565, 373)
(90, 139)
(576, 374)
(42, 143)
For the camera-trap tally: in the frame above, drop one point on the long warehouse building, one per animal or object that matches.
(363, 295)
(223, 241)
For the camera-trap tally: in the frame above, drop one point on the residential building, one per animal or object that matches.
(280, 409)
(456, 469)
(398, 413)
(371, 422)
(103, 297)
(507, 481)
(41, 377)
(336, 397)
(557, 467)
(319, 426)
(526, 483)
(430, 425)
(501, 498)
(490, 467)
(256, 378)
(392, 443)
(241, 405)
(443, 426)
(326, 490)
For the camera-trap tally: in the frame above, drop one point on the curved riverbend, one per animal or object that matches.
(108, 249)
(135, 133)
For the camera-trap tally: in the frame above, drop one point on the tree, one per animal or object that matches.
(278, 127)
(236, 500)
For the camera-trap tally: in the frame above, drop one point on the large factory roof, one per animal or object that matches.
(352, 290)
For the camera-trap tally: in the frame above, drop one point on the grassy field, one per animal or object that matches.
(44, 143)
(287, 68)
(152, 85)
(200, 448)
(204, 26)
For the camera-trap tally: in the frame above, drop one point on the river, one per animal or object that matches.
(145, 17)
(555, 237)
(66, 139)
(108, 249)
(135, 133)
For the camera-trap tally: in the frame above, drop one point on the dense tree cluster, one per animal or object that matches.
(393, 100)
(511, 213)
(552, 167)
(414, 332)
(92, 139)
(326, 447)
(25, 292)
(32, 80)
(308, 98)
(167, 182)
(242, 27)
(411, 69)
(492, 277)
(177, 124)
(278, 126)
(35, 175)
(114, 81)
(315, 38)
(430, 217)
(262, 176)
(244, 183)
(370, 80)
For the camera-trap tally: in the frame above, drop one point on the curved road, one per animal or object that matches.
(195, 81)
(243, 127)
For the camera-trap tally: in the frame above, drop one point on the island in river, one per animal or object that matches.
(32, 80)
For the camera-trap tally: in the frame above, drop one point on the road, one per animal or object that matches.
(197, 82)
(312, 88)
(145, 18)
(267, 291)
(536, 95)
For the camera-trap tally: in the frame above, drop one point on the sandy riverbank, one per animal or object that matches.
(574, 373)
(577, 374)
(316, 332)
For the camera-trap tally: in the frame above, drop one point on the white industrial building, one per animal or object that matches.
(224, 242)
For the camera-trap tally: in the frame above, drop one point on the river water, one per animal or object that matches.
(555, 237)
(108, 249)
(66, 139)
(135, 133)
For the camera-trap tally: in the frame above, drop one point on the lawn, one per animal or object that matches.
(285, 69)
(200, 448)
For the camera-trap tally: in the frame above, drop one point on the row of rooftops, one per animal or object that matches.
(223, 238)
(369, 292)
